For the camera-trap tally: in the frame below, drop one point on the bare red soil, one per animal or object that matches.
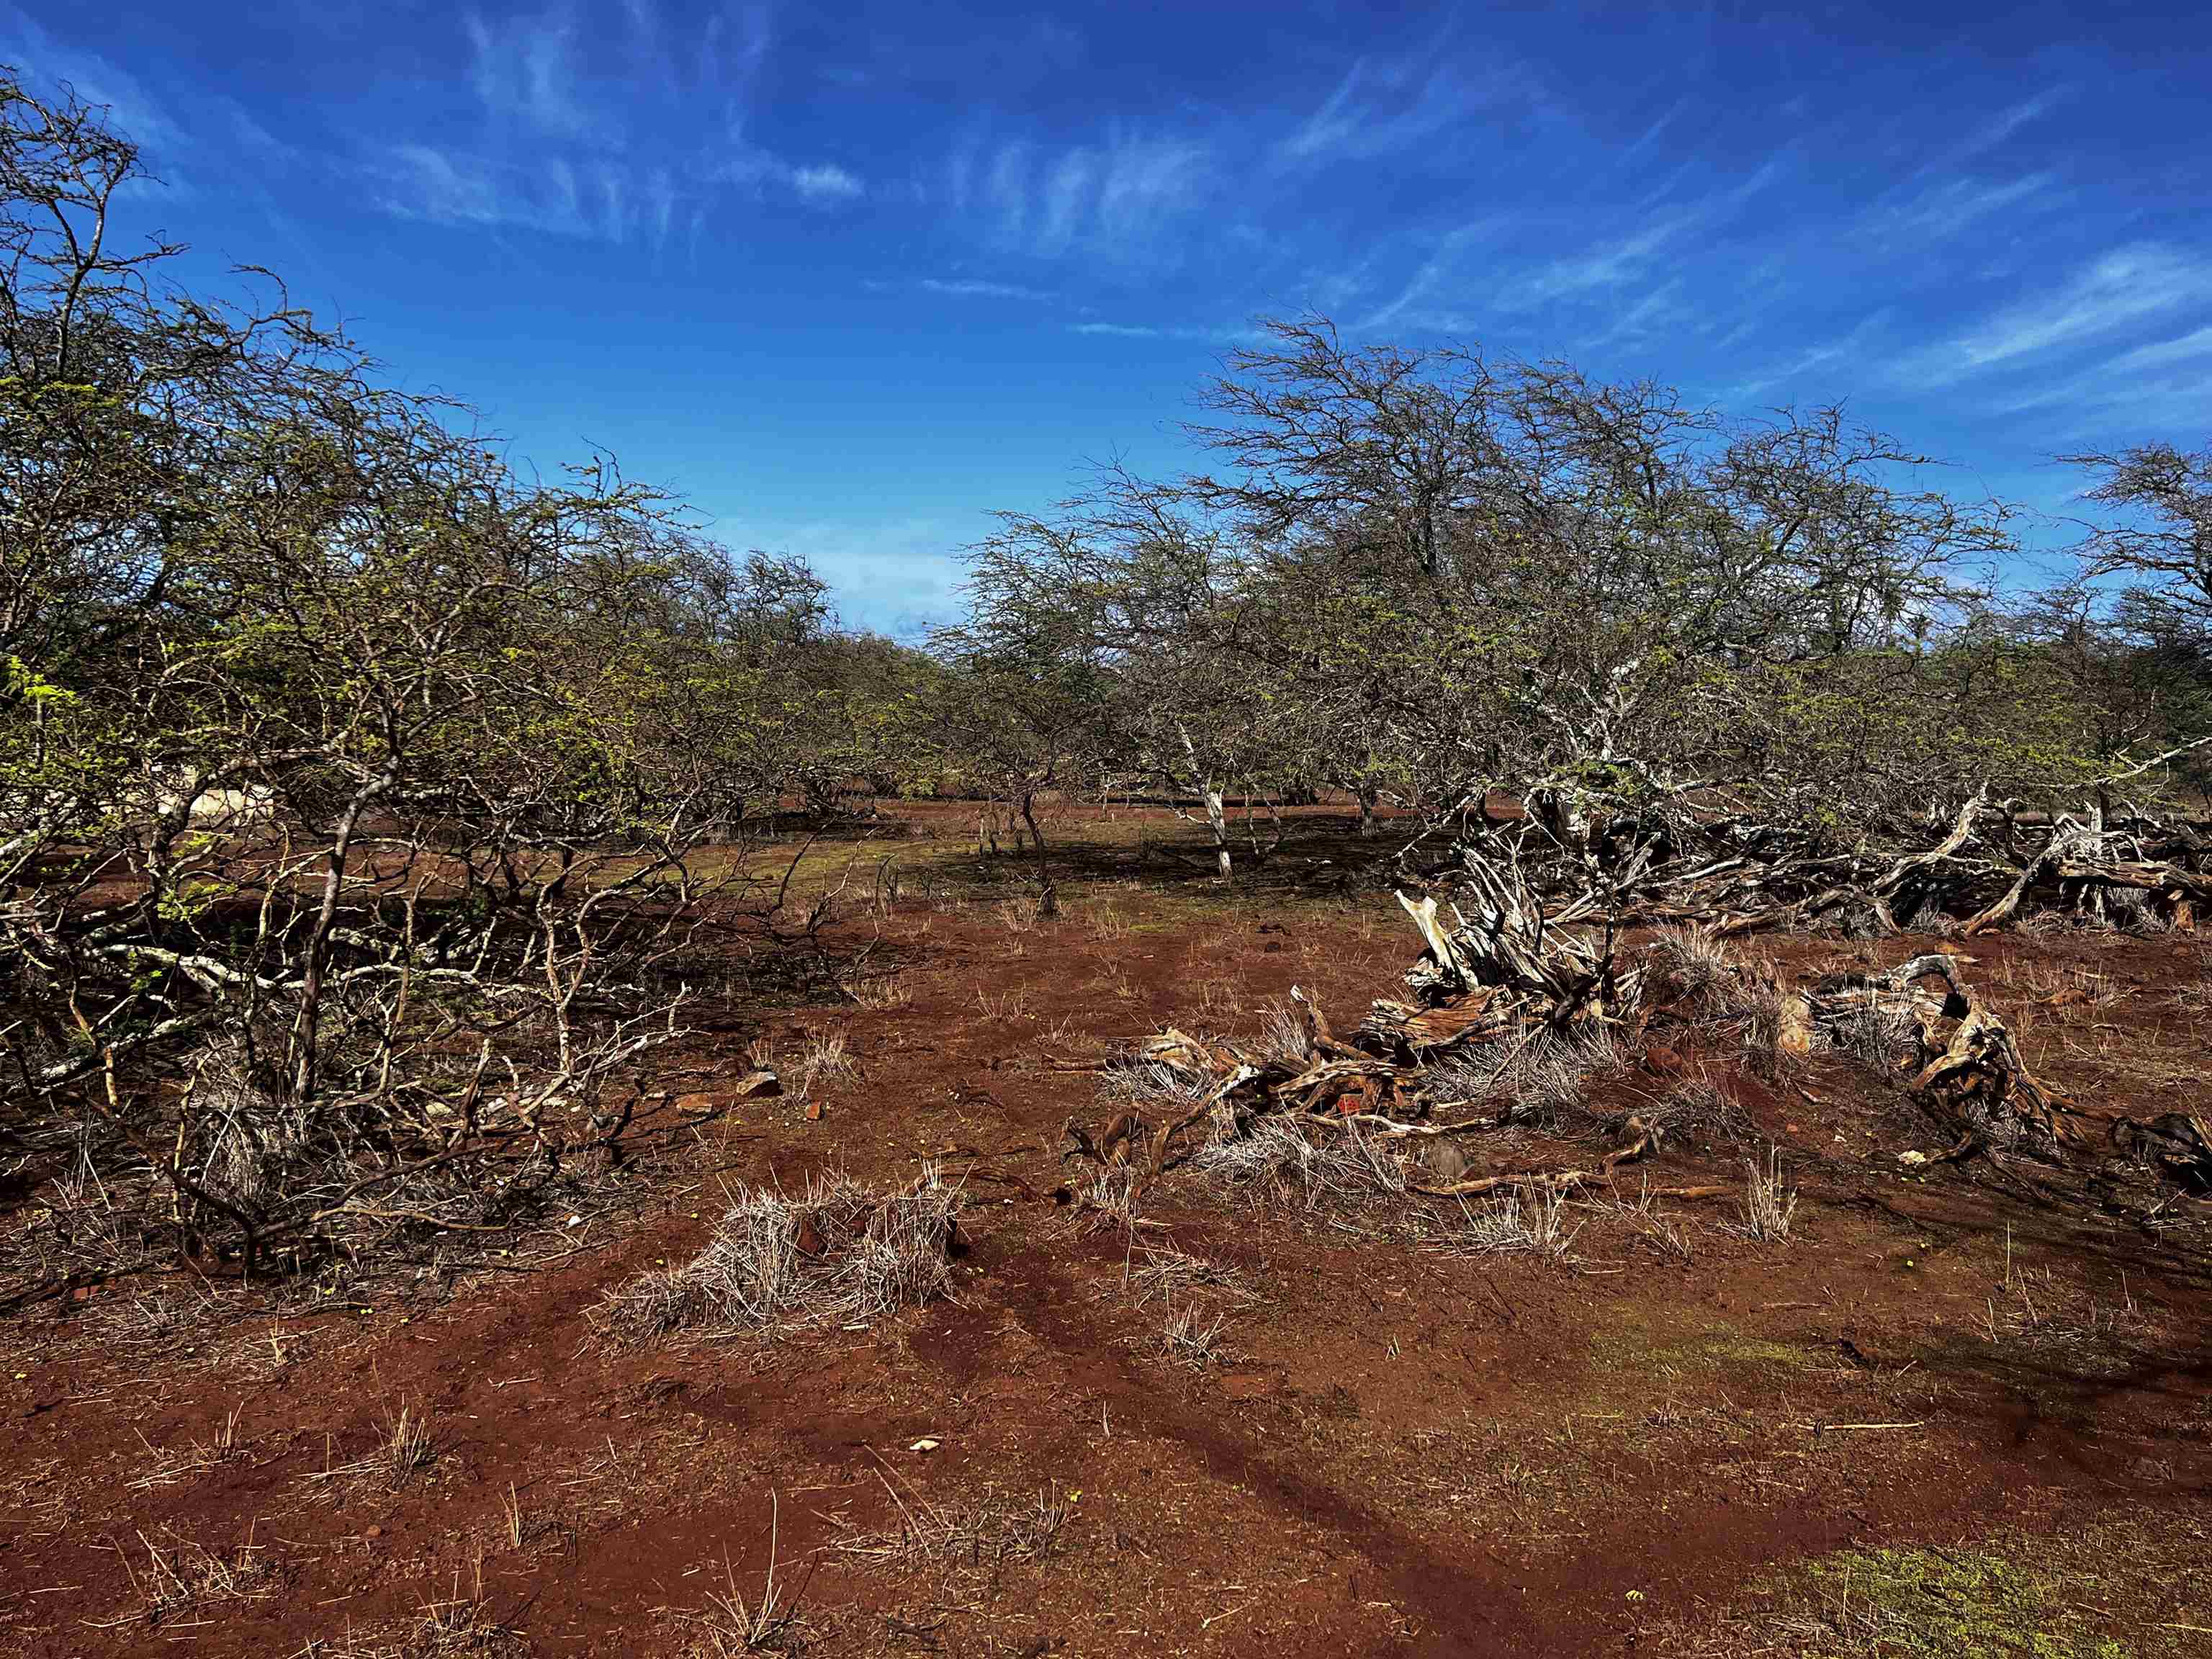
(1401, 1451)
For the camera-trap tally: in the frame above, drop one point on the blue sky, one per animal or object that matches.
(850, 276)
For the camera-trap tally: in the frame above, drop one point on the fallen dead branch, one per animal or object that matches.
(1987, 866)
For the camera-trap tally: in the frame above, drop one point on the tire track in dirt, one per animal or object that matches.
(1464, 1610)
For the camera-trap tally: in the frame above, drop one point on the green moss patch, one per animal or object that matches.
(2124, 1589)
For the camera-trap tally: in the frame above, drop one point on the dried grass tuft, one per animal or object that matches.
(1769, 1203)
(1190, 1341)
(1514, 1223)
(838, 1252)
(1275, 1157)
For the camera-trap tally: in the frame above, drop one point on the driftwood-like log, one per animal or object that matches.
(1770, 879)
(1972, 1076)
(1510, 977)
(1643, 1140)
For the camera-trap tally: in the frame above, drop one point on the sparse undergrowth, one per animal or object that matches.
(181, 1583)
(840, 1251)
(1510, 1223)
(976, 1533)
(406, 1448)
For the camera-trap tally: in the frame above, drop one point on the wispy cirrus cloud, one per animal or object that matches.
(563, 147)
(818, 183)
(823, 182)
(553, 195)
(2124, 286)
(95, 77)
(2193, 347)
(2166, 381)
(975, 288)
(1120, 197)
(1481, 270)
(1998, 130)
(1852, 345)
(1155, 332)
(1382, 107)
(1949, 193)
(1951, 205)
(524, 69)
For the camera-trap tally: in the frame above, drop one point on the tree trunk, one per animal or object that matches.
(1217, 816)
(307, 1027)
(1047, 899)
(1367, 798)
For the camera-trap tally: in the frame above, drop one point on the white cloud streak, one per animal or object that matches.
(2127, 285)
(1122, 199)
(1383, 108)
(970, 287)
(523, 69)
(568, 149)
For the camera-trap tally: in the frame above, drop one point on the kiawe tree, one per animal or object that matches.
(2156, 543)
(1026, 705)
(1426, 576)
(360, 799)
(1128, 600)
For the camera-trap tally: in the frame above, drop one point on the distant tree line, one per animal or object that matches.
(1426, 578)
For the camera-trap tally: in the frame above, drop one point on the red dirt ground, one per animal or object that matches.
(1405, 1451)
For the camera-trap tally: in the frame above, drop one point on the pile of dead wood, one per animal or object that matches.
(1499, 973)
(1988, 865)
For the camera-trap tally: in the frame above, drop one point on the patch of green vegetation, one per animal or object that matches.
(1727, 1349)
(2118, 1590)
(1631, 1349)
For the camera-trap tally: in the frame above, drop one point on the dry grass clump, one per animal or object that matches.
(1881, 1036)
(1768, 1202)
(1541, 1078)
(838, 1251)
(1703, 971)
(1668, 1234)
(75, 1225)
(1699, 1112)
(824, 1059)
(1281, 1038)
(1105, 921)
(979, 1533)
(1714, 984)
(1153, 1083)
(405, 1448)
(1107, 1197)
(879, 993)
(1167, 1273)
(2036, 1309)
(1021, 913)
(181, 1580)
(2129, 910)
(1190, 1341)
(732, 1624)
(1514, 1223)
(168, 1467)
(461, 1628)
(2195, 996)
(1275, 1158)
